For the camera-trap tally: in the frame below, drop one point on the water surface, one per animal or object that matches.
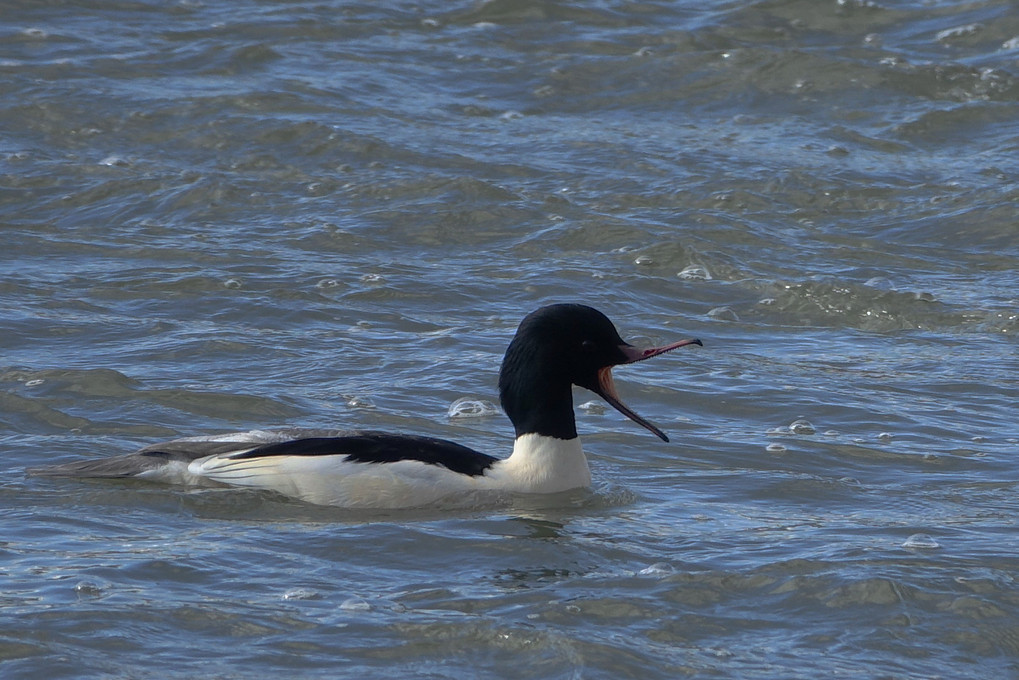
(220, 217)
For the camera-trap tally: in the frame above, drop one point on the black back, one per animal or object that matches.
(381, 447)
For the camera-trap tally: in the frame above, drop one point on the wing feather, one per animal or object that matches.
(331, 467)
(168, 459)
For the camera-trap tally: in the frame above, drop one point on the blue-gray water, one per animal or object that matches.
(219, 216)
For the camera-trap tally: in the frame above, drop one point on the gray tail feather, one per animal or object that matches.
(133, 464)
(117, 467)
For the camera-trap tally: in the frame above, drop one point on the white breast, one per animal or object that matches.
(541, 464)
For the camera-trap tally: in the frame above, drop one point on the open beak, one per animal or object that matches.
(607, 388)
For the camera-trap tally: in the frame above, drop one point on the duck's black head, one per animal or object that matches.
(555, 348)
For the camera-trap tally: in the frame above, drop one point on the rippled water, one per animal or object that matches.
(221, 216)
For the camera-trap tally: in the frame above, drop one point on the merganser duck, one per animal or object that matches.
(554, 348)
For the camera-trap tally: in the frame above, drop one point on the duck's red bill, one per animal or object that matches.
(607, 388)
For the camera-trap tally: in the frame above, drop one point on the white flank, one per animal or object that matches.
(332, 480)
(538, 465)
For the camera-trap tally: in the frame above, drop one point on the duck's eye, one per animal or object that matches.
(587, 346)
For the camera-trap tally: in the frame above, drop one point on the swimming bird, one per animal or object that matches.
(554, 348)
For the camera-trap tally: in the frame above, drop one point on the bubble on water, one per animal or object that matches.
(596, 408)
(643, 260)
(115, 161)
(880, 282)
(775, 448)
(88, 589)
(232, 283)
(920, 542)
(831, 433)
(355, 604)
(658, 569)
(978, 439)
(327, 283)
(801, 426)
(767, 301)
(695, 272)
(34, 383)
(511, 115)
(301, 594)
(465, 407)
(430, 22)
(644, 52)
(372, 278)
(360, 402)
(723, 314)
(36, 33)
(885, 436)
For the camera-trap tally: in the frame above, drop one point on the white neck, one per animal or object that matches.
(542, 464)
